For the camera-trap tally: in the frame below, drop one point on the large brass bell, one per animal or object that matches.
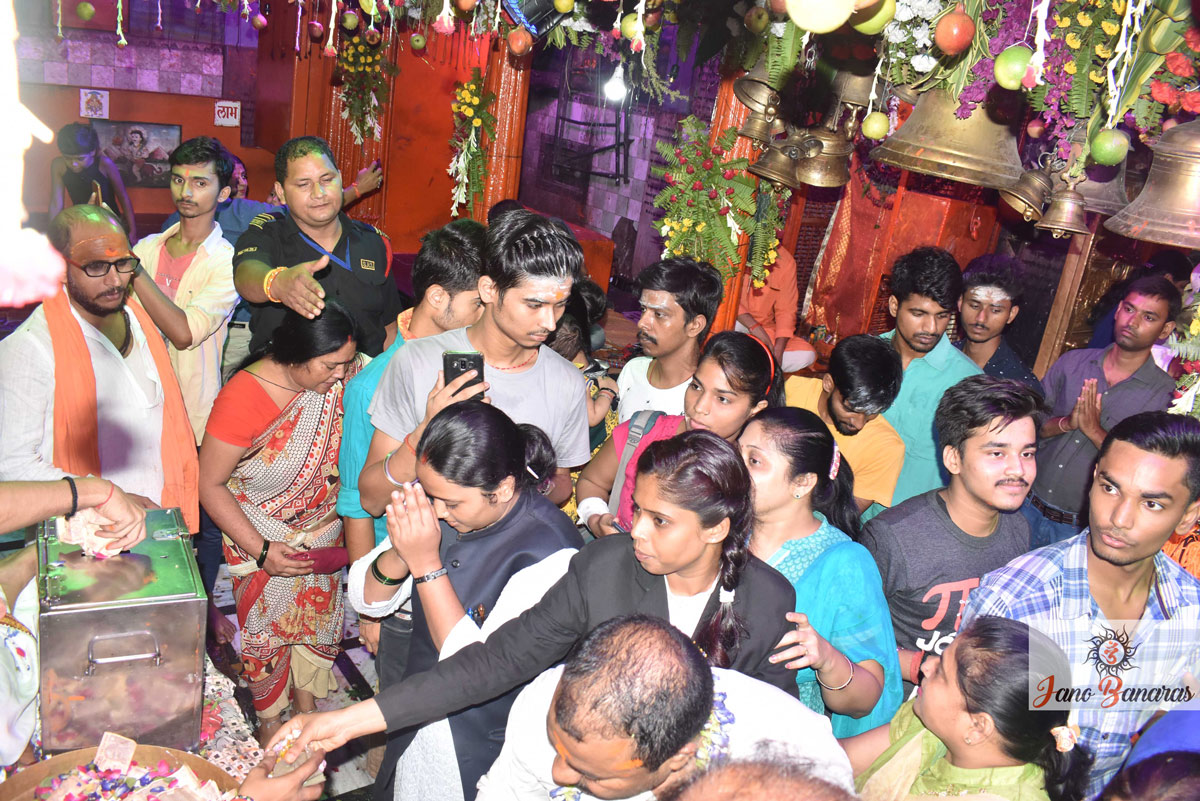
(980, 150)
(1168, 208)
(778, 162)
(754, 91)
(1104, 189)
(1065, 214)
(1028, 195)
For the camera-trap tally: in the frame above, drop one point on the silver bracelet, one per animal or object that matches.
(387, 473)
(844, 685)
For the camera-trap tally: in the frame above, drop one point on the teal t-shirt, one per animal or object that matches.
(855, 620)
(911, 414)
(356, 436)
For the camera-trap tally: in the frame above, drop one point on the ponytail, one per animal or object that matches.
(805, 441)
(474, 444)
(704, 474)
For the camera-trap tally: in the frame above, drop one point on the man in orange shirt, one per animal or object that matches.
(769, 313)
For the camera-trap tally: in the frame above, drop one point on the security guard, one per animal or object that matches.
(297, 258)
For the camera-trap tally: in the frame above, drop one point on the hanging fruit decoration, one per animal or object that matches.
(519, 41)
(416, 42)
(757, 19)
(564, 6)
(820, 16)
(258, 22)
(372, 36)
(778, 6)
(315, 30)
(465, 6)
(955, 31)
(873, 19)
(350, 20)
(1109, 147)
(1011, 66)
(85, 11)
(875, 125)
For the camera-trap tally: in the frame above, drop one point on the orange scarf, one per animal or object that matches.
(76, 431)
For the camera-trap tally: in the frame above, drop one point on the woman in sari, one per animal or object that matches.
(269, 479)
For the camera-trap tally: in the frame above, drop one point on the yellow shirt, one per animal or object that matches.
(875, 454)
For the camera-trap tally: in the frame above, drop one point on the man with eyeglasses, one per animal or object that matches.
(88, 387)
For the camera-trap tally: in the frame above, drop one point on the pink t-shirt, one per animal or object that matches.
(664, 427)
(170, 270)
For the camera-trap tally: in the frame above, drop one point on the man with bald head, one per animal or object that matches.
(88, 387)
(636, 711)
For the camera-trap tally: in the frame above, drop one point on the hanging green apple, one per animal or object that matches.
(85, 11)
(873, 19)
(1109, 147)
(757, 19)
(349, 20)
(564, 6)
(875, 125)
(820, 16)
(1011, 65)
(417, 42)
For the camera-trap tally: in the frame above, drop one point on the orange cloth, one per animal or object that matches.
(775, 305)
(76, 431)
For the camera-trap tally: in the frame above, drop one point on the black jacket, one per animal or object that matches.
(604, 581)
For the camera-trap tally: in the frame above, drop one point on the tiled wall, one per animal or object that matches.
(92, 59)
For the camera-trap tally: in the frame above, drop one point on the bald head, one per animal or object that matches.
(765, 779)
(95, 219)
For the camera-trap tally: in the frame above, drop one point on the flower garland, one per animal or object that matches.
(1009, 23)
(1175, 87)
(365, 73)
(908, 40)
(709, 202)
(468, 167)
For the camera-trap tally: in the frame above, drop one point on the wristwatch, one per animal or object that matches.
(429, 576)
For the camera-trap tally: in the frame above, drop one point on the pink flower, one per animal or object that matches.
(444, 24)
(1181, 65)
(330, 52)
(1163, 92)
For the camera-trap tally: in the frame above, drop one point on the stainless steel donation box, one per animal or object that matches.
(121, 640)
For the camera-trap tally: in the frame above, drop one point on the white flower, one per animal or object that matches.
(895, 33)
(927, 9)
(921, 36)
(923, 62)
(904, 12)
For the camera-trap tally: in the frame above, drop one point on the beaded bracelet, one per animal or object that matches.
(268, 281)
(386, 581)
(74, 496)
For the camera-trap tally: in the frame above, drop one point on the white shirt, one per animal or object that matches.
(129, 400)
(759, 713)
(684, 611)
(18, 677)
(637, 393)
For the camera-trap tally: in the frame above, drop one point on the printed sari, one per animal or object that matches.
(287, 484)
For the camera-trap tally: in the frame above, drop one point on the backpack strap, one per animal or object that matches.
(639, 424)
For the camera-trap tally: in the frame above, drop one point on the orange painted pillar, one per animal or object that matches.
(730, 111)
(508, 79)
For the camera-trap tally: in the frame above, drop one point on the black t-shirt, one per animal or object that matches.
(929, 567)
(366, 289)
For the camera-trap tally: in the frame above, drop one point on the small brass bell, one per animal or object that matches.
(1028, 195)
(831, 166)
(778, 162)
(1104, 189)
(1168, 208)
(756, 94)
(853, 87)
(757, 127)
(1065, 214)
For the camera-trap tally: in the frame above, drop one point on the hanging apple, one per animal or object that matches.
(872, 19)
(1109, 147)
(372, 36)
(955, 31)
(1036, 128)
(349, 20)
(778, 6)
(875, 125)
(316, 31)
(465, 6)
(631, 26)
(820, 16)
(85, 11)
(1011, 66)
(564, 6)
(520, 41)
(258, 22)
(653, 19)
(757, 19)
(417, 42)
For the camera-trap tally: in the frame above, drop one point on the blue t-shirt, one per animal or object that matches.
(356, 436)
(854, 620)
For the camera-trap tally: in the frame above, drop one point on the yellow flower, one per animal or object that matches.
(356, 40)
(772, 256)
(678, 251)
(361, 49)
(471, 86)
(1069, 68)
(477, 122)
(700, 226)
(1103, 51)
(454, 107)
(1062, 22)
(475, 100)
(1096, 77)
(1110, 27)
(1083, 19)
(1073, 41)
(1194, 329)
(1118, 6)
(467, 110)
(757, 284)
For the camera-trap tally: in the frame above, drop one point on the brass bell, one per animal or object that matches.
(1168, 208)
(1028, 195)
(1104, 189)
(754, 91)
(757, 127)
(853, 87)
(831, 166)
(1065, 214)
(778, 162)
(980, 150)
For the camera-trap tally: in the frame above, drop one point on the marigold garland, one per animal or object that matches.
(472, 118)
(365, 74)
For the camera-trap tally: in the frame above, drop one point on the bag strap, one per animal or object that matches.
(639, 424)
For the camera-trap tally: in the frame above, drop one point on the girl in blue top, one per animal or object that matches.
(843, 647)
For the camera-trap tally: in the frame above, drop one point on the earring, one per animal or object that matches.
(797, 495)
(967, 740)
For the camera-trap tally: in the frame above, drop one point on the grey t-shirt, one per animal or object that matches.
(550, 394)
(929, 567)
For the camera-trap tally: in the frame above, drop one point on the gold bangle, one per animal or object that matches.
(269, 281)
(844, 685)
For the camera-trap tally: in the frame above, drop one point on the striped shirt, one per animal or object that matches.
(1048, 589)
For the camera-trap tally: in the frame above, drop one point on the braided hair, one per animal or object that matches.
(701, 472)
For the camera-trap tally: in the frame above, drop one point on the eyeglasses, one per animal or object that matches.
(99, 269)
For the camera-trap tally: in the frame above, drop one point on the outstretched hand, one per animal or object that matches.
(261, 786)
(298, 290)
(808, 648)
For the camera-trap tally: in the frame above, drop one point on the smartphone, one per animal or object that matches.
(457, 362)
(595, 370)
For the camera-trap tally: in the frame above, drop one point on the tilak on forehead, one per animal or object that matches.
(990, 294)
(551, 289)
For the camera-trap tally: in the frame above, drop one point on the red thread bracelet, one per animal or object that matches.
(111, 488)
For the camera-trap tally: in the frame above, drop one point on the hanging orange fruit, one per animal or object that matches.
(955, 31)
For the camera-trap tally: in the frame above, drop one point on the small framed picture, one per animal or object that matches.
(140, 150)
(93, 104)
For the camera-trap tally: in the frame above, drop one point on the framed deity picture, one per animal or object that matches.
(139, 149)
(93, 103)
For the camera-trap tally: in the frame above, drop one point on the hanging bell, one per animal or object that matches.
(980, 150)
(757, 127)
(1028, 195)
(754, 92)
(831, 166)
(851, 87)
(778, 163)
(1104, 189)
(1168, 208)
(1065, 215)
